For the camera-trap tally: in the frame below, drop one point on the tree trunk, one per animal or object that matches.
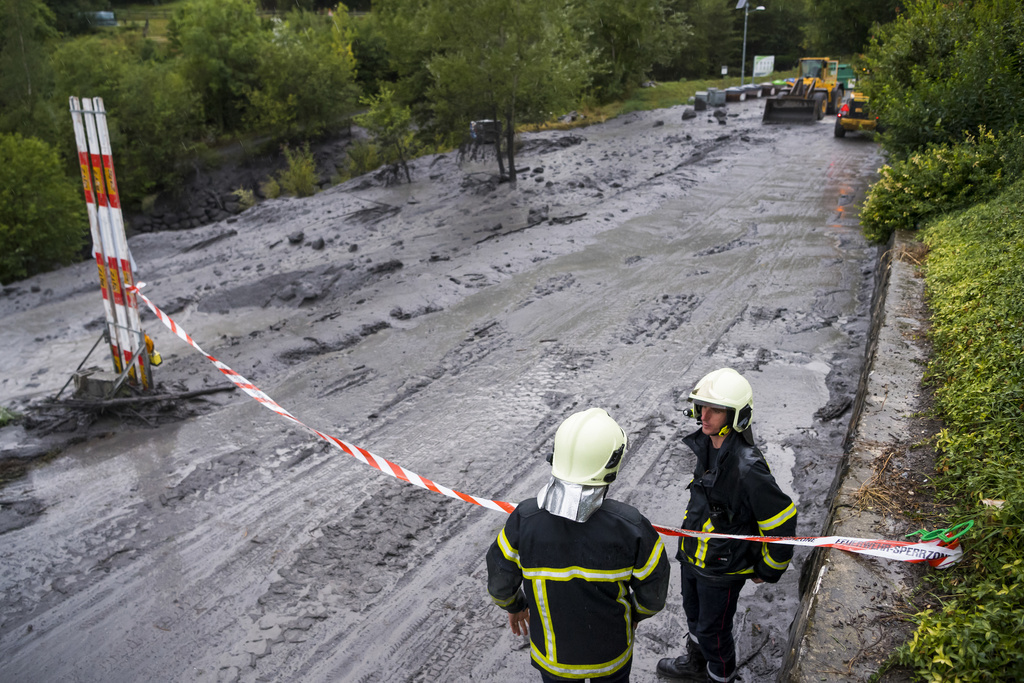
(497, 147)
(510, 142)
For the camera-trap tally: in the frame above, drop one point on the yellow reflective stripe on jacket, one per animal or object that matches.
(570, 573)
(504, 603)
(540, 594)
(627, 611)
(702, 545)
(768, 560)
(652, 561)
(773, 523)
(510, 553)
(579, 671)
(778, 520)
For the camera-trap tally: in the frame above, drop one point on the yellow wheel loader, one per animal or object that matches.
(815, 93)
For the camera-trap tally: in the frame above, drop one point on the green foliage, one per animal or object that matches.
(389, 125)
(362, 158)
(370, 49)
(270, 188)
(835, 27)
(8, 416)
(221, 43)
(975, 285)
(26, 26)
(939, 179)
(305, 76)
(299, 179)
(514, 62)
(943, 69)
(628, 39)
(154, 116)
(42, 213)
(712, 40)
(246, 197)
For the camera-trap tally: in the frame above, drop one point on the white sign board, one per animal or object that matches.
(725, 71)
(763, 65)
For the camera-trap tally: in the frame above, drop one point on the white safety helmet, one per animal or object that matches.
(726, 389)
(588, 448)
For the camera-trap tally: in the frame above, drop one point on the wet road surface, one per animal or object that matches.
(448, 326)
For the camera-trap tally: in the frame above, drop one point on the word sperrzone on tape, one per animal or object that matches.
(942, 550)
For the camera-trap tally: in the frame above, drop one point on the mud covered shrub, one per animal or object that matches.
(940, 179)
(42, 213)
(975, 284)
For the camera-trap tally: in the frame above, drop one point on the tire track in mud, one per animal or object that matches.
(390, 522)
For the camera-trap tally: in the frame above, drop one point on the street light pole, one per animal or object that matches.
(746, 13)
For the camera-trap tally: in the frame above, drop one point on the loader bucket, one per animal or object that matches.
(783, 109)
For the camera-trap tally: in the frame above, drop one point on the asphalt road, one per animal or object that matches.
(449, 326)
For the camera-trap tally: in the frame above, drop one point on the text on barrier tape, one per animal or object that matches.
(940, 550)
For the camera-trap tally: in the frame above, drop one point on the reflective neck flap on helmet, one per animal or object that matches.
(571, 501)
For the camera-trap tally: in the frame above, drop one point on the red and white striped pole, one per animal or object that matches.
(120, 241)
(125, 343)
(94, 230)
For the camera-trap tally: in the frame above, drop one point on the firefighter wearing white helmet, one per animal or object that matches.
(732, 492)
(730, 391)
(577, 570)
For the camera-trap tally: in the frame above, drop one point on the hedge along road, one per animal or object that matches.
(449, 326)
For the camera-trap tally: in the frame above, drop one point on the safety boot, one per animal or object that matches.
(689, 667)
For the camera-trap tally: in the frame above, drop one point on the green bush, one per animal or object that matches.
(975, 286)
(946, 68)
(154, 117)
(939, 179)
(300, 178)
(389, 124)
(362, 158)
(42, 212)
(306, 77)
(246, 198)
(270, 188)
(8, 416)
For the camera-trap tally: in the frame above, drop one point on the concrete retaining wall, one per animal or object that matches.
(842, 592)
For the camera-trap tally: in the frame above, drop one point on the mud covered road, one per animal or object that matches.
(449, 326)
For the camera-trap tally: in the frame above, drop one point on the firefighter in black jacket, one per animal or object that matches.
(575, 570)
(732, 492)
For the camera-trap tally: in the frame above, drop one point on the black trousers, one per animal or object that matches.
(710, 608)
(620, 676)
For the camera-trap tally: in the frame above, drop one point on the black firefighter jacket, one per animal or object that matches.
(735, 493)
(587, 584)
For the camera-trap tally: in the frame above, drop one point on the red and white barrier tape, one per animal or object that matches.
(932, 552)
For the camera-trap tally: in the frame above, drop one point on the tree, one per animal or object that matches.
(25, 28)
(154, 116)
(388, 123)
(510, 61)
(712, 40)
(370, 48)
(942, 70)
(840, 27)
(629, 39)
(306, 76)
(410, 46)
(220, 42)
(42, 213)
